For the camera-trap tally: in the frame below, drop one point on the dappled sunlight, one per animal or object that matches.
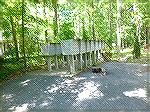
(80, 78)
(45, 103)
(8, 96)
(139, 73)
(22, 108)
(33, 103)
(65, 84)
(113, 99)
(24, 83)
(137, 93)
(53, 89)
(89, 91)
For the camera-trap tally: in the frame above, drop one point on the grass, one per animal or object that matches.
(127, 54)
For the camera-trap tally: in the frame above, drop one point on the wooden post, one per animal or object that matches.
(67, 57)
(79, 58)
(97, 52)
(49, 64)
(56, 61)
(63, 61)
(94, 54)
(94, 57)
(71, 64)
(100, 55)
(85, 59)
(90, 58)
(90, 54)
(80, 55)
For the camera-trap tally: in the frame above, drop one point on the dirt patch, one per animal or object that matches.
(145, 69)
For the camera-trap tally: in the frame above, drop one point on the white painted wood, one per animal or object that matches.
(71, 47)
(85, 51)
(96, 45)
(56, 61)
(92, 45)
(71, 64)
(90, 58)
(85, 60)
(49, 64)
(51, 49)
(88, 46)
(79, 61)
(63, 61)
(82, 46)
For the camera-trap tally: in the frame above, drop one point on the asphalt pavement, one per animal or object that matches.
(123, 88)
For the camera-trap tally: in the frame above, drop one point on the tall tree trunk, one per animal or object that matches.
(37, 32)
(45, 32)
(138, 32)
(14, 37)
(84, 35)
(93, 27)
(1, 44)
(89, 17)
(118, 24)
(147, 35)
(55, 6)
(136, 47)
(1, 51)
(23, 40)
(89, 25)
(110, 24)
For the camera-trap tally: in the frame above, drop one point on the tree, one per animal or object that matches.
(118, 24)
(55, 7)
(66, 31)
(136, 50)
(14, 37)
(23, 35)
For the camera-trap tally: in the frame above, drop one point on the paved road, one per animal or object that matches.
(123, 88)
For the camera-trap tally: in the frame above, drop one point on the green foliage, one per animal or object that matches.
(10, 65)
(136, 48)
(66, 31)
(84, 31)
(2, 62)
(48, 21)
(10, 52)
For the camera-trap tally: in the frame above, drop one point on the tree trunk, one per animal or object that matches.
(148, 35)
(1, 44)
(1, 51)
(37, 30)
(89, 25)
(136, 49)
(93, 28)
(14, 37)
(118, 24)
(110, 24)
(45, 32)
(23, 40)
(55, 5)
